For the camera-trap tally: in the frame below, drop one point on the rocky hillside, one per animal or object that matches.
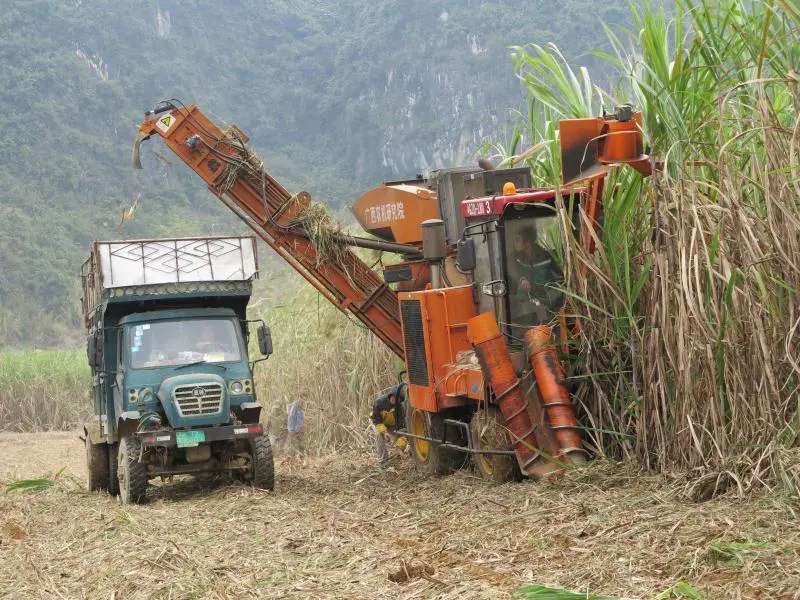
(335, 94)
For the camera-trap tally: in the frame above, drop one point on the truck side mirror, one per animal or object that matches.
(465, 255)
(265, 340)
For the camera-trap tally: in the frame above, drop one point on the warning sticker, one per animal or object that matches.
(165, 122)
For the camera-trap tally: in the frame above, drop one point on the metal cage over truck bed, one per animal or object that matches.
(132, 270)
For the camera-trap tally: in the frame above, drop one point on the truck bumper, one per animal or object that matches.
(168, 438)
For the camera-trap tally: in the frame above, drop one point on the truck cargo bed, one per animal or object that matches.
(141, 268)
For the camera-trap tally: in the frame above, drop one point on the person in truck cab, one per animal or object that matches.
(533, 271)
(211, 340)
(386, 418)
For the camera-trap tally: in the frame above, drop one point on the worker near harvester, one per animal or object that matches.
(295, 425)
(386, 418)
(277, 427)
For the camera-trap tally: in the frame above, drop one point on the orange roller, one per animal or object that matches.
(551, 381)
(492, 352)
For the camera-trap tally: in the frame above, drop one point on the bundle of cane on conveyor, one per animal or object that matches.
(310, 218)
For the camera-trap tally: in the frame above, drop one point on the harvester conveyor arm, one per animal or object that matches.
(236, 176)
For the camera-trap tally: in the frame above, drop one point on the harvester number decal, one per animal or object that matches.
(478, 208)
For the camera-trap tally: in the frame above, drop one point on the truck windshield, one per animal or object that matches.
(180, 342)
(532, 247)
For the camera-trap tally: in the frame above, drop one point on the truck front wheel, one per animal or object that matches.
(96, 466)
(111, 458)
(262, 465)
(131, 474)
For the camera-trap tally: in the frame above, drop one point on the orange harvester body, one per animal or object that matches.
(445, 315)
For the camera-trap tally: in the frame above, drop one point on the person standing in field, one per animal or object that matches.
(295, 424)
(277, 427)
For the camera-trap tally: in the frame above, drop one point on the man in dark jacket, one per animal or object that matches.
(385, 419)
(533, 277)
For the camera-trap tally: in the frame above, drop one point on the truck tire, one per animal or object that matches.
(131, 473)
(429, 457)
(262, 465)
(96, 466)
(113, 480)
(489, 432)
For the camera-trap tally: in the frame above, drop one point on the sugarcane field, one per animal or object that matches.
(337, 527)
(383, 299)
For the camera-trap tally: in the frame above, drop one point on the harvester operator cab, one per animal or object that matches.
(516, 248)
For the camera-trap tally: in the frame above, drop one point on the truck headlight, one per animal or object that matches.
(237, 387)
(140, 396)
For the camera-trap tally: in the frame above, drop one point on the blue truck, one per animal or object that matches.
(167, 343)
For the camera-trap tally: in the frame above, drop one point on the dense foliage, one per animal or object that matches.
(690, 325)
(335, 95)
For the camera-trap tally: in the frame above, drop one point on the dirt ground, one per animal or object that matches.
(337, 527)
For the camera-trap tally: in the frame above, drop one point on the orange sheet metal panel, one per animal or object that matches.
(443, 334)
(395, 212)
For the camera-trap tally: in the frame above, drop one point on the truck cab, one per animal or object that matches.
(190, 366)
(172, 377)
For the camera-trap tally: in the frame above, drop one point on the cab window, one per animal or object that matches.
(532, 248)
(169, 343)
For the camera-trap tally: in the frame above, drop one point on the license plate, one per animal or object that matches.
(189, 439)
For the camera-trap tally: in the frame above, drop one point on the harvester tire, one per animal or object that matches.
(131, 473)
(113, 480)
(430, 458)
(262, 465)
(96, 466)
(489, 432)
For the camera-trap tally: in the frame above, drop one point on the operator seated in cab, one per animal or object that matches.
(386, 418)
(533, 275)
(211, 341)
(183, 341)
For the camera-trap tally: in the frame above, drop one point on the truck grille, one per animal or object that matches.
(414, 337)
(198, 399)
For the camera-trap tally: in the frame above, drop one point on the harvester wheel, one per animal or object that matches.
(490, 433)
(113, 480)
(429, 457)
(262, 465)
(96, 465)
(131, 473)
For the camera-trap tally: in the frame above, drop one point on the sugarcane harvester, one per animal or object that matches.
(471, 307)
